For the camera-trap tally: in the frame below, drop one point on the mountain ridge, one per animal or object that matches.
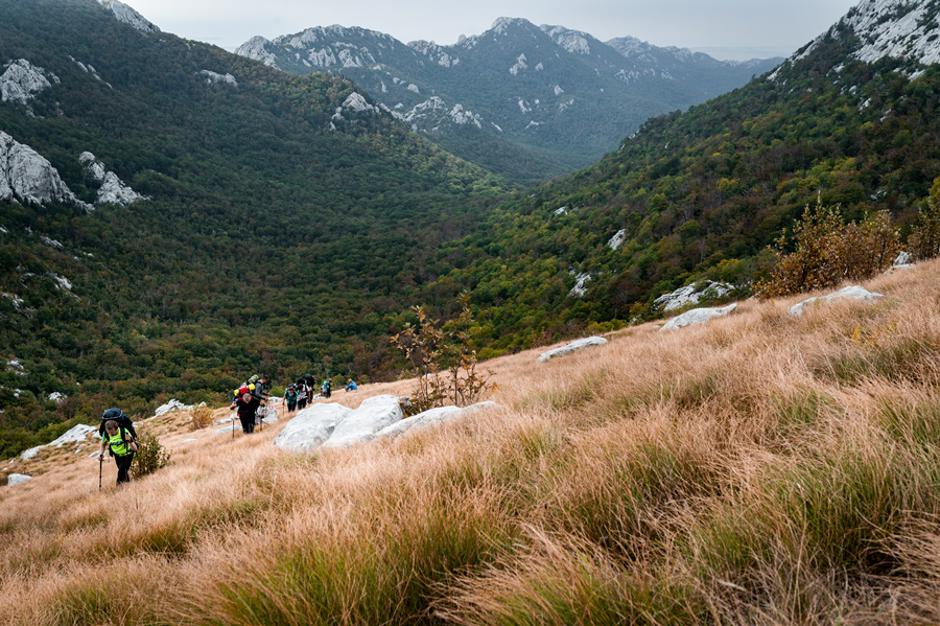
(545, 99)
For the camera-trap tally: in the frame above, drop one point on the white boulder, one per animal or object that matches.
(170, 407)
(311, 427)
(18, 479)
(854, 292)
(28, 177)
(574, 346)
(363, 423)
(433, 416)
(691, 294)
(22, 81)
(699, 316)
(903, 262)
(57, 396)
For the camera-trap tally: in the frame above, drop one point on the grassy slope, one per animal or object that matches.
(758, 469)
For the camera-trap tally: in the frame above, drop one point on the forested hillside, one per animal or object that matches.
(852, 120)
(286, 227)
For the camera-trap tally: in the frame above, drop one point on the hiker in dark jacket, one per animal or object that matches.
(290, 398)
(121, 445)
(247, 406)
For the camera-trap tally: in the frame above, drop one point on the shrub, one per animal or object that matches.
(202, 418)
(827, 251)
(150, 457)
(443, 359)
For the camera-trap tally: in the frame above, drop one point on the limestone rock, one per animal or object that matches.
(433, 416)
(363, 423)
(18, 479)
(574, 346)
(21, 81)
(699, 316)
(311, 427)
(854, 292)
(26, 176)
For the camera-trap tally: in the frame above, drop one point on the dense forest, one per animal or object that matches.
(280, 235)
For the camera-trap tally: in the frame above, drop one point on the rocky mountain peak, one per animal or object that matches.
(125, 14)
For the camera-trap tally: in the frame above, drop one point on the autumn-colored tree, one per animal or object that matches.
(443, 359)
(824, 251)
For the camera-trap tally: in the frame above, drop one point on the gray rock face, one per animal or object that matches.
(691, 294)
(22, 81)
(365, 422)
(574, 346)
(129, 16)
(112, 189)
(699, 316)
(854, 292)
(214, 78)
(311, 427)
(26, 176)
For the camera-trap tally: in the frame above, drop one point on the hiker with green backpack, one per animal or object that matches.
(119, 440)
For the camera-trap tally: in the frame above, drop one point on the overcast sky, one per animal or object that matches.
(724, 28)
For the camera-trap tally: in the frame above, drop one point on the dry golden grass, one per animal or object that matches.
(760, 469)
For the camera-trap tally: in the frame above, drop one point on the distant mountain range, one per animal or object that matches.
(523, 100)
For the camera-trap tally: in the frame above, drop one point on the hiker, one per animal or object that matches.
(303, 395)
(121, 445)
(290, 398)
(351, 386)
(247, 406)
(326, 389)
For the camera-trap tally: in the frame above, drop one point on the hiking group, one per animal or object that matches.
(300, 393)
(119, 437)
(248, 398)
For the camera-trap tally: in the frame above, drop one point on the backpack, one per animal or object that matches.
(124, 422)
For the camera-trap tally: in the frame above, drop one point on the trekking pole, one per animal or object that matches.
(233, 427)
(100, 470)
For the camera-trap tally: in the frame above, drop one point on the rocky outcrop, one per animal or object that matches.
(699, 316)
(26, 176)
(617, 240)
(580, 286)
(214, 78)
(129, 16)
(21, 82)
(854, 292)
(112, 189)
(170, 407)
(574, 346)
(433, 416)
(77, 435)
(365, 422)
(691, 295)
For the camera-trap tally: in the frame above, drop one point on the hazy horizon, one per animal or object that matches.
(727, 29)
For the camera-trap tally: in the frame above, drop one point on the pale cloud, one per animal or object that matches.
(730, 28)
